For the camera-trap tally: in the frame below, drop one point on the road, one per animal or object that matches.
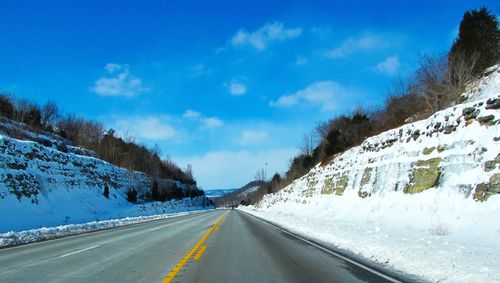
(217, 246)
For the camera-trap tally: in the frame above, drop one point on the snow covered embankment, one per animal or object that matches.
(423, 198)
(42, 186)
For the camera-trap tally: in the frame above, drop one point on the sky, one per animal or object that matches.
(229, 87)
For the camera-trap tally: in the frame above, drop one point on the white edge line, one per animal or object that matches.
(327, 250)
(23, 245)
(79, 251)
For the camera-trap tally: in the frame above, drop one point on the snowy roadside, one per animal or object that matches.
(12, 238)
(437, 256)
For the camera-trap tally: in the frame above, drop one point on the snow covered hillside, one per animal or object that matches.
(423, 198)
(41, 185)
(218, 193)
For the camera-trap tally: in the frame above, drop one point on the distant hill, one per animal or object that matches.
(218, 192)
(236, 196)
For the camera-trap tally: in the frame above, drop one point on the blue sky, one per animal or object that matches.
(227, 86)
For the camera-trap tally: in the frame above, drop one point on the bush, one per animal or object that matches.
(105, 193)
(132, 196)
(7, 108)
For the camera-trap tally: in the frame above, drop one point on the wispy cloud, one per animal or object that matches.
(205, 122)
(236, 87)
(262, 37)
(212, 122)
(199, 70)
(149, 128)
(301, 61)
(191, 114)
(321, 94)
(361, 43)
(248, 137)
(119, 82)
(388, 66)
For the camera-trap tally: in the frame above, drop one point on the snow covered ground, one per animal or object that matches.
(44, 183)
(458, 242)
(46, 233)
(423, 198)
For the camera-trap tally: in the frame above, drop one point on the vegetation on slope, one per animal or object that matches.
(436, 84)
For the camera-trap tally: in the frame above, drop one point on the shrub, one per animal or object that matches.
(105, 193)
(132, 195)
(7, 108)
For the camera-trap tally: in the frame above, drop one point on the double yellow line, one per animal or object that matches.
(188, 256)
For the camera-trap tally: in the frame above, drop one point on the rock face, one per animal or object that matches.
(29, 169)
(425, 176)
(455, 149)
(42, 186)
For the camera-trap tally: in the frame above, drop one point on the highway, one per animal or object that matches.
(216, 246)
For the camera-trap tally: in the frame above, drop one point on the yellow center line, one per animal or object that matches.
(185, 259)
(199, 253)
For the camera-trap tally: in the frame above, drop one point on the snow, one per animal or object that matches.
(248, 191)
(440, 234)
(218, 192)
(41, 186)
(46, 233)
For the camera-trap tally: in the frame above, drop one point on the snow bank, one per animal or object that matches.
(423, 198)
(35, 235)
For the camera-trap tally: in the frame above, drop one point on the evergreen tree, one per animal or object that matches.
(155, 193)
(105, 193)
(132, 196)
(478, 39)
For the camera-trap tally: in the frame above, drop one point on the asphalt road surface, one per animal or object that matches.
(217, 246)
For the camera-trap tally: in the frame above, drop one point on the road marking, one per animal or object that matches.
(96, 232)
(327, 250)
(158, 228)
(79, 251)
(171, 275)
(199, 253)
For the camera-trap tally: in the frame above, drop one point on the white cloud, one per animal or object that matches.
(212, 122)
(320, 94)
(191, 114)
(389, 65)
(248, 137)
(199, 70)
(236, 88)
(118, 83)
(355, 44)
(150, 128)
(260, 38)
(230, 169)
(205, 122)
(112, 67)
(301, 61)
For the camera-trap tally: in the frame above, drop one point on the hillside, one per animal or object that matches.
(421, 198)
(218, 192)
(238, 195)
(49, 183)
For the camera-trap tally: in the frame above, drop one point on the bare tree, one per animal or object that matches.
(308, 142)
(50, 112)
(260, 175)
(189, 171)
(322, 129)
(460, 71)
